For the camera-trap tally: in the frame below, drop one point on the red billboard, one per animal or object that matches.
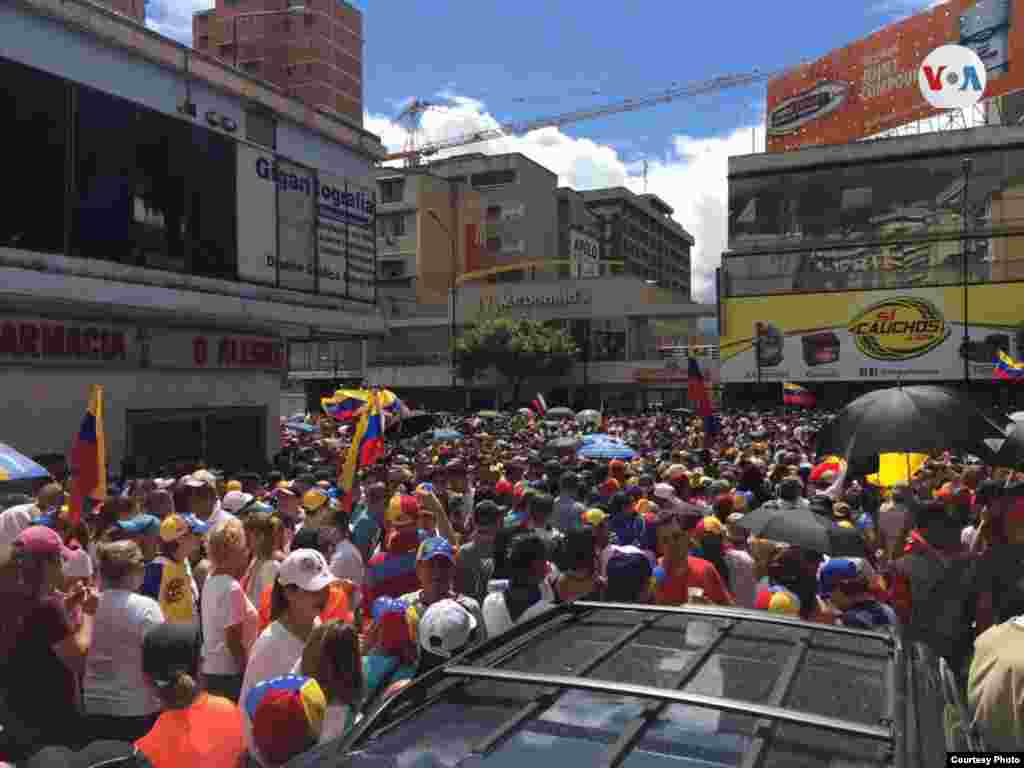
(871, 85)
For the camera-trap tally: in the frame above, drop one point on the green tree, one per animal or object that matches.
(516, 348)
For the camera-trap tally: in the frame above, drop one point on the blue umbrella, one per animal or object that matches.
(604, 447)
(15, 467)
(447, 434)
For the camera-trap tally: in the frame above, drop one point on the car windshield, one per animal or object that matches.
(509, 724)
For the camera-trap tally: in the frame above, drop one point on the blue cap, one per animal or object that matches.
(865, 522)
(515, 518)
(435, 547)
(383, 606)
(834, 571)
(139, 524)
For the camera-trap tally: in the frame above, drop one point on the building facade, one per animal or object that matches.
(863, 265)
(313, 50)
(154, 248)
(429, 229)
(520, 217)
(641, 237)
(629, 333)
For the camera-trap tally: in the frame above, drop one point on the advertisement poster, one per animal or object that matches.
(360, 209)
(257, 219)
(871, 85)
(900, 335)
(584, 255)
(296, 254)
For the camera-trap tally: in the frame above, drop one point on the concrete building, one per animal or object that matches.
(581, 243)
(520, 211)
(428, 234)
(149, 246)
(627, 330)
(641, 235)
(313, 49)
(135, 9)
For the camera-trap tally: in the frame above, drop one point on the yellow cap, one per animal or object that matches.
(313, 499)
(233, 485)
(594, 516)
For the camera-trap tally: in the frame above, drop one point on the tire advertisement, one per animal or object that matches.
(899, 335)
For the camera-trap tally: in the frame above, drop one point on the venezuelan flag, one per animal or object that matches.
(794, 394)
(1008, 369)
(367, 446)
(89, 458)
(345, 404)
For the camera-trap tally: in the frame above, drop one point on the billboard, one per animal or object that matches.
(584, 255)
(304, 230)
(871, 85)
(884, 335)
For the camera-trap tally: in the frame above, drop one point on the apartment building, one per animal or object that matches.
(520, 222)
(313, 49)
(642, 238)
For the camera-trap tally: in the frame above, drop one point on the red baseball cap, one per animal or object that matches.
(43, 541)
(503, 487)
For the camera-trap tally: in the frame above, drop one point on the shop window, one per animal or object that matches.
(36, 121)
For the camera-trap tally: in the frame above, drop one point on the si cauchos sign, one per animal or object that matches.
(899, 329)
(57, 342)
(237, 352)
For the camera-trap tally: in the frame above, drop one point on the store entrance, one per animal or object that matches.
(230, 439)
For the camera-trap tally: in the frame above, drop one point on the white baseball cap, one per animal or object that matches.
(236, 500)
(200, 478)
(306, 569)
(446, 628)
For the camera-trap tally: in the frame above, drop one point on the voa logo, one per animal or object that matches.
(952, 77)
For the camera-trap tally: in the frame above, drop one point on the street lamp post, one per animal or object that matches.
(253, 14)
(965, 165)
(451, 291)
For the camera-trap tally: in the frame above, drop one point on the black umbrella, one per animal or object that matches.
(916, 419)
(415, 424)
(563, 444)
(803, 527)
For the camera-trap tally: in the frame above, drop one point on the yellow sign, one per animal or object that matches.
(899, 329)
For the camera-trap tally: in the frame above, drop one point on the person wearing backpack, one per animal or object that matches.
(933, 587)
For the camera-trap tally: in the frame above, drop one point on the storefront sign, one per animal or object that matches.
(191, 350)
(303, 229)
(584, 255)
(562, 298)
(59, 342)
(891, 335)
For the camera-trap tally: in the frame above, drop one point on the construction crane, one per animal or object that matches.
(412, 155)
(410, 118)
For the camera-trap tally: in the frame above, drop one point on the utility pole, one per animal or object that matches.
(965, 165)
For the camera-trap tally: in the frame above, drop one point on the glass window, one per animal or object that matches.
(102, 212)
(158, 197)
(35, 108)
(494, 178)
(392, 190)
(211, 209)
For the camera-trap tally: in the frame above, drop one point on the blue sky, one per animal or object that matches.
(498, 61)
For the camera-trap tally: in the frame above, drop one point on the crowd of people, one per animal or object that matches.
(224, 620)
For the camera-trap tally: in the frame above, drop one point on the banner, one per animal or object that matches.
(871, 85)
(897, 335)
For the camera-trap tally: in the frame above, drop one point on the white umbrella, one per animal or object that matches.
(1018, 416)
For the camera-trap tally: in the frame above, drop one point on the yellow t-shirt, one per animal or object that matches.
(172, 586)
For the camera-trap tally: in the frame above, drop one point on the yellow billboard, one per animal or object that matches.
(896, 335)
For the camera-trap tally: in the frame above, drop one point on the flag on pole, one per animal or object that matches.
(541, 404)
(89, 459)
(367, 447)
(697, 391)
(794, 394)
(1008, 369)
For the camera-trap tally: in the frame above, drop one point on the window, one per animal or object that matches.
(608, 340)
(494, 178)
(35, 106)
(261, 128)
(135, 206)
(391, 225)
(392, 190)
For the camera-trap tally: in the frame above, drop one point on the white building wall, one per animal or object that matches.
(42, 408)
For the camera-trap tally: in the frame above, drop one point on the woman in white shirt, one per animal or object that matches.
(230, 620)
(332, 658)
(528, 593)
(300, 594)
(119, 705)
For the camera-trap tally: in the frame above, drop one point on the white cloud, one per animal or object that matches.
(690, 176)
(173, 18)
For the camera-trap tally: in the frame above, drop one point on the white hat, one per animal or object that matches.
(446, 628)
(664, 491)
(235, 500)
(164, 483)
(306, 569)
(78, 565)
(199, 478)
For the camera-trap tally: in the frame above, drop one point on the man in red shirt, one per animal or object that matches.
(680, 577)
